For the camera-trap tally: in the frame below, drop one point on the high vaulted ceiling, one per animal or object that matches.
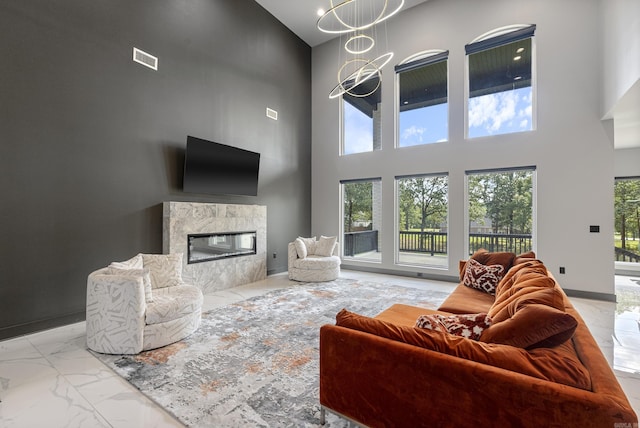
(300, 16)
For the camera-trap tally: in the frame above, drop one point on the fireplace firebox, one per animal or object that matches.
(204, 247)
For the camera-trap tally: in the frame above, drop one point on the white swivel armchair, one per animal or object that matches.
(140, 304)
(314, 261)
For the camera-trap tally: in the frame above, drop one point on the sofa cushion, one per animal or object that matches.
(405, 314)
(317, 263)
(482, 277)
(466, 325)
(555, 365)
(301, 248)
(532, 326)
(465, 300)
(519, 272)
(524, 257)
(538, 291)
(494, 258)
(171, 303)
(324, 246)
(310, 243)
(165, 269)
(142, 273)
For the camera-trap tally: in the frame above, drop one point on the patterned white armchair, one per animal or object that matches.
(314, 261)
(140, 304)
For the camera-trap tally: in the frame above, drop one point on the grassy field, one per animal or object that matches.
(629, 244)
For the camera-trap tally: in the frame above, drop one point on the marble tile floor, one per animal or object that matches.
(50, 379)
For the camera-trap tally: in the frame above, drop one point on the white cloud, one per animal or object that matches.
(495, 113)
(413, 132)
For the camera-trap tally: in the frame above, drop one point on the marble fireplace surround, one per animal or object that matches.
(180, 219)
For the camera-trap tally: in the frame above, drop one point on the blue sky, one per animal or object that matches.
(494, 114)
(501, 113)
(424, 125)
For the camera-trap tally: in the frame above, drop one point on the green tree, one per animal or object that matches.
(423, 199)
(358, 198)
(505, 198)
(627, 208)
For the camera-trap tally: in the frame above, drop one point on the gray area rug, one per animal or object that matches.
(255, 363)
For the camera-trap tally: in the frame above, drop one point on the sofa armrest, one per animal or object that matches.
(115, 313)
(380, 382)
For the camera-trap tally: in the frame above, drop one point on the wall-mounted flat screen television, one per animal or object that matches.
(218, 169)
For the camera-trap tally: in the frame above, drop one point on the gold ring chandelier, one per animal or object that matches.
(357, 18)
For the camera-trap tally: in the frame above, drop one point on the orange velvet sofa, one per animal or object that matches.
(536, 365)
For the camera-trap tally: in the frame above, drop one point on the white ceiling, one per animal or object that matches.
(300, 16)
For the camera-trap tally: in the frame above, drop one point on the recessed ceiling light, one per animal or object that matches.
(320, 12)
(517, 58)
(520, 50)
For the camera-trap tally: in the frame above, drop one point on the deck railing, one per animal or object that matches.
(436, 242)
(626, 255)
(360, 242)
(513, 242)
(423, 242)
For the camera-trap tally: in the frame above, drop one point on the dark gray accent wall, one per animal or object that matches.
(92, 143)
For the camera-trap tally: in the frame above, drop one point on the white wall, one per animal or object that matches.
(570, 148)
(621, 49)
(627, 162)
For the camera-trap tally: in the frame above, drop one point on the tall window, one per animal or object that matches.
(422, 99)
(627, 219)
(500, 210)
(422, 216)
(361, 118)
(500, 85)
(362, 219)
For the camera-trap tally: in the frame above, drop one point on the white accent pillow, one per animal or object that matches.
(135, 273)
(310, 243)
(325, 245)
(301, 249)
(133, 263)
(165, 269)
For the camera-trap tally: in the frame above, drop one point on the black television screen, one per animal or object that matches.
(219, 169)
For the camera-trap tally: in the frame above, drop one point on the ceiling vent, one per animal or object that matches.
(272, 114)
(145, 59)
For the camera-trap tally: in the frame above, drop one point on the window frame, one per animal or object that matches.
(375, 119)
(398, 216)
(534, 200)
(623, 267)
(373, 180)
(413, 62)
(495, 38)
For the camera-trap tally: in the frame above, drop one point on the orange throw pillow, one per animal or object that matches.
(496, 258)
(518, 273)
(532, 326)
(534, 288)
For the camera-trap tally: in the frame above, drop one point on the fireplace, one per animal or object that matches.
(204, 247)
(183, 219)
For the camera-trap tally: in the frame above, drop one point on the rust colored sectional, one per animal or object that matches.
(537, 365)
